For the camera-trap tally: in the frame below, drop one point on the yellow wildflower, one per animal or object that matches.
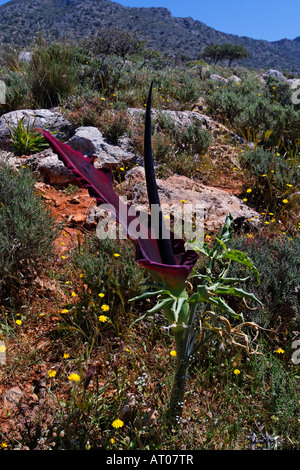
(173, 353)
(117, 423)
(102, 318)
(74, 377)
(105, 308)
(236, 371)
(19, 322)
(279, 351)
(285, 201)
(51, 373)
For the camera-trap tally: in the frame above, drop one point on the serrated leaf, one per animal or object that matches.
(242, 258)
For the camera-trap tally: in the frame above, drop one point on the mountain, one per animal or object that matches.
(22, 20)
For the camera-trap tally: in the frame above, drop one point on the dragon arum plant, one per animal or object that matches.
(169, 261)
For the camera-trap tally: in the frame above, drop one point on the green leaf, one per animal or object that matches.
(177, 306)
(223, 290)
(160, 305)
(199, 247)
(242, 258)
(219, 302)
(227, 230)
(146, 295)
(232, 280)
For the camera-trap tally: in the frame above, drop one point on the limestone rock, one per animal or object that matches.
(51, 120)
(183, 119)
(218, 78)
(216, 203)
(234, 78)
(275, 74)
(50, 168)
(25, 56)
(89, 140)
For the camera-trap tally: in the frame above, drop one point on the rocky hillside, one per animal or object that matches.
(22, 20)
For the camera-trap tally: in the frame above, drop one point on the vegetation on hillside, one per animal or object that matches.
(92, 376)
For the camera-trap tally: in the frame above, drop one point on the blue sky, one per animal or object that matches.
(259, 19)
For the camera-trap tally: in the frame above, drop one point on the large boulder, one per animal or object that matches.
(51, 170)
(184, 119)
(89, 141)
(46, 165)
(181, 119)
(218, 78)
(51, 120)
(176, 190)
(275, 74)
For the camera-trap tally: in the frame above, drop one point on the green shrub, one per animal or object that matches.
(193, 139)
(52, 72)
(115, 278)
(279, 91)
(256, 112)
(17, 91)
(278, 262)
(27, 229)
(180, 88)
(270, 175)
(114, 125)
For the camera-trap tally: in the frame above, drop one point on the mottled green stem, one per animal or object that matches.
(180, 380)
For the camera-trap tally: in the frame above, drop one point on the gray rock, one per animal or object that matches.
(276, 74)
(25, 56)
(51, 120)
(234, 78)
(216, 203)
(218, 78)
(94, 216)
(90, 141)
(50, 168)
(181, 119)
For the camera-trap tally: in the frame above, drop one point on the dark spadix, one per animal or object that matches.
(164, 244)
(165, 258)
